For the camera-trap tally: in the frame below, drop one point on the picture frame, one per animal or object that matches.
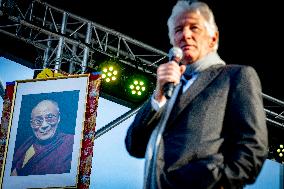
(50, 132)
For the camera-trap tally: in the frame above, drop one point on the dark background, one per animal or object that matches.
(250, 31)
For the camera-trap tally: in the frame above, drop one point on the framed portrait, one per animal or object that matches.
(50, 133)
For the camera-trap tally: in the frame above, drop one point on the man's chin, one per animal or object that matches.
(46, 136)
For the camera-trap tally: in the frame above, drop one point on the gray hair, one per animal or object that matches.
(198, 7)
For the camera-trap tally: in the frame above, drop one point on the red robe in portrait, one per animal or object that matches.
(50, 157)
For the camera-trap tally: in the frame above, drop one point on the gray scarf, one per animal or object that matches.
(207, 61)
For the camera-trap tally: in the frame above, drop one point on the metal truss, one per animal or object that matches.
(274, 117)
(274, 110)
(67, 39)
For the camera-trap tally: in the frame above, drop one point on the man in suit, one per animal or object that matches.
(212, 132)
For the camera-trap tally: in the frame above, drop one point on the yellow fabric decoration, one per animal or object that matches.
(58, 75)
(29, 154)
(46, 73)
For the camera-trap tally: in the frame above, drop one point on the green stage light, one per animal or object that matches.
(137, 87)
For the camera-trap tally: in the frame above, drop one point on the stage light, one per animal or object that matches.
(110, 70)
(276, 151)
(137, 87)
(109, 73)
(130, 86)
(280, 151)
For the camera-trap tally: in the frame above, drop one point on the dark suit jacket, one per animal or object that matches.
(216, 134)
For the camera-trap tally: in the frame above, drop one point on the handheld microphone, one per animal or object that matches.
(175, 54)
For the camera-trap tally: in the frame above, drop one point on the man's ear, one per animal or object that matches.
(214, 39)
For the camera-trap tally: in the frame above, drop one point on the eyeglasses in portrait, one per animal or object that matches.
(45, 133)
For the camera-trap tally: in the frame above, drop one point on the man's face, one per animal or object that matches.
(192, 37)
(44, 120)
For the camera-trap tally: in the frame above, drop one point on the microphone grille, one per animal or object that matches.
(175, 52)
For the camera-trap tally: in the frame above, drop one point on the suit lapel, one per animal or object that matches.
(202, 81)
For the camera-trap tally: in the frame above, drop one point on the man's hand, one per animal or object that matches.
(168, 72)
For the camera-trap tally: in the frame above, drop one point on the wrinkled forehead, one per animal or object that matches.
(190, 17)
(45, 108)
